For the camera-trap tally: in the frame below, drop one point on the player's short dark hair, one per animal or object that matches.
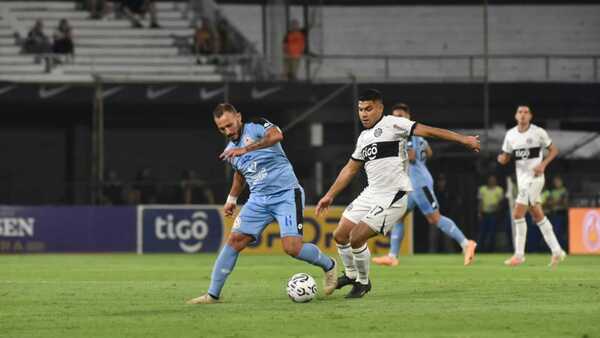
(371, 95)
(402, 106)
(222, 108)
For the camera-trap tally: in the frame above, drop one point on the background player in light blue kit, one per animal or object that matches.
(255, 153)
(424, 198)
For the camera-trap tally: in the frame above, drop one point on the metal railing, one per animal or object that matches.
(472, 71)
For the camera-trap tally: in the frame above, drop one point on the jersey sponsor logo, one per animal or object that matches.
(46, 93)
(209, 94)
(257, 94)
(153, 94)
(381, 150)
(526, 153)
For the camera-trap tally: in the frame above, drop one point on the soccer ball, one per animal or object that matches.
(301, 288)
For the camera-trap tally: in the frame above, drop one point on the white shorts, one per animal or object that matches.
(530, 193)
(380, 211)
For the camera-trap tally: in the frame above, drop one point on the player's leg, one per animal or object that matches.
(558, 254)
(429, 206)
(520, 234)
(341, 236)
(289, 213)
(248, 226)
(359, 236)
(391, 259)
(396, 237)
(354, 212)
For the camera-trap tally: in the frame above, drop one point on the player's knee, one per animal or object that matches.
(292, 248)
(238, 241)
(341, 237)
(356, 240)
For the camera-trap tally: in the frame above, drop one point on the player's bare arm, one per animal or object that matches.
(272, 136)
(471, 142)
(552, 153)
(503, 158)
(344, 178)
(238, 185)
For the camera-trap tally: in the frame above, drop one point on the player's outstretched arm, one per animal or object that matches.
(471, 142)
(237, 186)
(272, 136)
(344, 178)
(552, 153)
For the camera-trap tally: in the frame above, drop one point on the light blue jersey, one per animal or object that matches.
(418, 172)
(267, 171)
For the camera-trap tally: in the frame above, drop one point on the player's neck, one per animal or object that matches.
(523, 127)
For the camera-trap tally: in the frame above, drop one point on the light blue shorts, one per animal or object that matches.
(285, 207)
(423, 198)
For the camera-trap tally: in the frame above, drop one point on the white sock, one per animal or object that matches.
(549, 237)
(520, 236)
(362, 259)
(345, 252)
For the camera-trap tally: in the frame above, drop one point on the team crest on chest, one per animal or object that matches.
(378, 132)
(529, 140)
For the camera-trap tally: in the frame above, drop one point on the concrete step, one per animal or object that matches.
(163, 69)
(107, 24)
(82, 15)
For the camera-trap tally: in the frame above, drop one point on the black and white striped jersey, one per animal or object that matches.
(527, 149)
(383, 150)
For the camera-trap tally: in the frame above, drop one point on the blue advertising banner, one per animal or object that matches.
(171, 228)
(67, 229)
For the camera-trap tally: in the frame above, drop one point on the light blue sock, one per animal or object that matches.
(311, 253)
(396, 239)
(449, 228)
(223, 267)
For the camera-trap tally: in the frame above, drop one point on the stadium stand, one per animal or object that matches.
(108, 47)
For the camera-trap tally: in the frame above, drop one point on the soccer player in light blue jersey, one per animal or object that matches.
(255, 153)
(424, 198)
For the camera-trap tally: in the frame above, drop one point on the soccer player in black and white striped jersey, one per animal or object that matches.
(526, 143)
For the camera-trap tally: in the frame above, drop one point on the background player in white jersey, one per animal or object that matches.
(381, 150)
(423, 198)
(526, 143)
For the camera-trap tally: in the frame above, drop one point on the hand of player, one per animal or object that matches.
(538, 170)
(473, 143)
(503, 159)
(228, 209)
(233, 152)
(323, 204)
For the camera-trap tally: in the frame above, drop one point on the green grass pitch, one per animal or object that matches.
(125, 295)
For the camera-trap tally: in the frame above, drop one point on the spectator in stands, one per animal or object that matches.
(559, 205)
(98, 8)
(490, 200)
(294, 44)
(193, 190)
(37, 42)
(112, 189)
(146, 186)
(206, 41)
(136, 10)
(63, 40)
